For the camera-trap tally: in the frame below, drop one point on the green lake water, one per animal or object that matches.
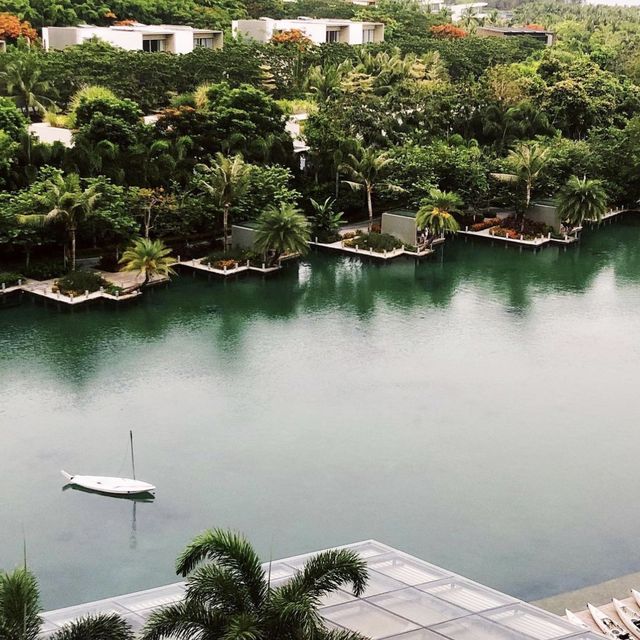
(480, 410)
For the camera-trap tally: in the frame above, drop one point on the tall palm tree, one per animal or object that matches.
(527, 160)
(283, 229)
(20, 619)
(149, 258)
(366, 168)
(582, 199)
(229, 595)
(23, 82)
(436, 212)
(225, 180)
(68, 203)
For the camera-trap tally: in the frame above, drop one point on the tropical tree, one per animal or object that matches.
(325, 221)
(229, 595)
(68, 203)
(149, 258)
(527, 160)
(582, 199)
(22, 80)
(283, 229)
(20, 619)
(366, 167)
(225, 180)
(436, 212)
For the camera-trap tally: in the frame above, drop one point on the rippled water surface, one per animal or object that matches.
(480, 410)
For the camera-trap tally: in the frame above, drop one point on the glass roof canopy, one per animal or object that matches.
(405, 599)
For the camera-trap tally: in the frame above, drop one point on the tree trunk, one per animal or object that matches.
(73, 249)
(337, 183)
(146, 278)
(370, 207)
(225, 222)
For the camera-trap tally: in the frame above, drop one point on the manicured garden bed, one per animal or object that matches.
(9, 279)
(378, 242)
(77, 283)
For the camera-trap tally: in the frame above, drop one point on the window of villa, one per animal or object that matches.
(207, 43)
(153, 46)
(367, 35)
(333, 35)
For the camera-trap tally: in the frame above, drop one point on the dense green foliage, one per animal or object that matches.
(498, 122)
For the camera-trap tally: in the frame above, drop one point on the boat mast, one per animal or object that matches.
(133, 461)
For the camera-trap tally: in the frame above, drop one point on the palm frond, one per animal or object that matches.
(230, 550)
(186, 620)
(327, 571)
(96, 627)
(19, 605)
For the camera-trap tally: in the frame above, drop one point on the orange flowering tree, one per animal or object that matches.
(291, 36)
(11, 28)
(448, 31)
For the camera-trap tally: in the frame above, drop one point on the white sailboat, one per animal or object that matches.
(628, 615)
(610, 628)
(573, 619)
(111, 485)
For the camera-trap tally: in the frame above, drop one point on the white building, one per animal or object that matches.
(318, 31)
(135, 37)
(458, 11)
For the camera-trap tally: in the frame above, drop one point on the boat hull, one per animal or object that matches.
(111, 486)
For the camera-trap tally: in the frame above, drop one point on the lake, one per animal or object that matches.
(479, 410)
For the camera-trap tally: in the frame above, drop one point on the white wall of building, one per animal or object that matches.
(350, 32)
(177, 39)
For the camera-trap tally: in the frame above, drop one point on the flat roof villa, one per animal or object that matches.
(135, 37)
(406, 599)
(319, 31)
(548, 37)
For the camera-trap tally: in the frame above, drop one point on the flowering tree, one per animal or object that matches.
(291, 36)
(11, 28)
(449, 31)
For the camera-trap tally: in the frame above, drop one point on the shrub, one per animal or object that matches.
(487, 223)
(378, 242)
(77, 282)
(350, 234)
(9, 279)
(526, 227)
(45, 270)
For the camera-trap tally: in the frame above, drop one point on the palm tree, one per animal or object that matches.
(527, 161)
(366, 167)
(283, 229)
(231, 596)
(22, 81)
(225, 180)
(325, 220)
(67, 203)
(149, 258)
(582, 199)
(19, 606)
(436, 212)
(20, 619)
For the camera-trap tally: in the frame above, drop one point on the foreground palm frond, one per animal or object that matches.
(96, 627)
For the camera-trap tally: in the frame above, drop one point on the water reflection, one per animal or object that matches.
(73, 342)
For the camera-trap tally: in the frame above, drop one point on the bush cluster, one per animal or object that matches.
(378, 242)
(78, 282)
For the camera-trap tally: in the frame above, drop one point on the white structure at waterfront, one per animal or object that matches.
(405, 599)
(135, 37)
(318, 31)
